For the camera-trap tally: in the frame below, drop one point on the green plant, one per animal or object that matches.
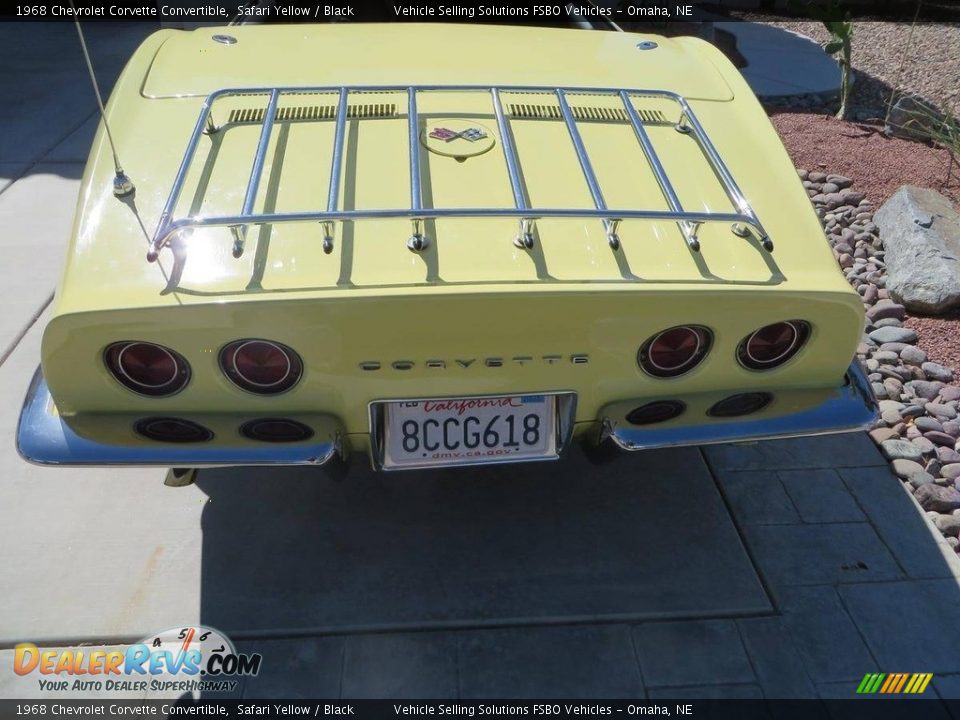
(830, 12)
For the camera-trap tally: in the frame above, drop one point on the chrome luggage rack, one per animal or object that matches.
(741, 220)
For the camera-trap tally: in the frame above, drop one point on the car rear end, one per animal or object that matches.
(503, 336)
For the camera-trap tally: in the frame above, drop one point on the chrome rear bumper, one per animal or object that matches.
(43, 438)
(852, 406)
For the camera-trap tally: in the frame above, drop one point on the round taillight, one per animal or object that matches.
(741, 404)
(655, 412)
(172, 430)
(278, 430)
(147, 368)
(675, 351)
(772, 345)
(261, 366)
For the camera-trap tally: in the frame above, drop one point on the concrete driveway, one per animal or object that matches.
(781, 569)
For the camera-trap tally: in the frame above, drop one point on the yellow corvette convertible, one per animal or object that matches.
(437, 245)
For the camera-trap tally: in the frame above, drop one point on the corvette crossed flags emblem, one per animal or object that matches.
(472, 134)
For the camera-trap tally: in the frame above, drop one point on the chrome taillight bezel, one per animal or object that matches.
(228, 365)
(801, 334)
(113, 360)
(704, 343)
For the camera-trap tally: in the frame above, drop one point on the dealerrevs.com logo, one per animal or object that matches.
(189, 659)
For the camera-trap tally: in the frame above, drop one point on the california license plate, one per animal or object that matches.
(452, 431)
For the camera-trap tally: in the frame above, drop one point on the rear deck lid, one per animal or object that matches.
(193, 63)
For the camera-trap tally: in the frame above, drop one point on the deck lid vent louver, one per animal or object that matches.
(527, 111)
(315, 112)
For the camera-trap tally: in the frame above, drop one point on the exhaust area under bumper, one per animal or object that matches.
(43, 438)
(852, 406)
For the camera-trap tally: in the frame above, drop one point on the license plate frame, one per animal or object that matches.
(382, 412)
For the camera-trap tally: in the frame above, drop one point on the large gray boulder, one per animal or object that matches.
(921, 235)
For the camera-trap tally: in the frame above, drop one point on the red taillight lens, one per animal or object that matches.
(772, 345)
(174, 430)
(675, 351)
(261, 366)
(742, 404)
(655, 412)
(279, 430)
(147, 368)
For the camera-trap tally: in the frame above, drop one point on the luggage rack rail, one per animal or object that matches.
(742, 219)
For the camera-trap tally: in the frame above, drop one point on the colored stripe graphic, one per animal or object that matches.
(894, 683)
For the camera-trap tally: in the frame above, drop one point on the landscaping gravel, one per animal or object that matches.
(924, 59)
(918, 429)
(880, 165)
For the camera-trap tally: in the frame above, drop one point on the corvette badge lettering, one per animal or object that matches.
(490, 362)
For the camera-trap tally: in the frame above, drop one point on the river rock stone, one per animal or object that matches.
(894, 334)
(905, 468)
(882, 433)
(887, 309)
(923, 444)
(936, 498)
(923, 389)
(920, 478)
(948, 455)
(950, 393)
(939, 438)
(913, 355)
(936, 371)
(929, 424)
(941, 411)
(949, 525)
(901, 450)
(841, 181)
(921, 235)
(912, 411)
(951, 471)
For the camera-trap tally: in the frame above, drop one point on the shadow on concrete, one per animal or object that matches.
(291, 551)
(528, 581)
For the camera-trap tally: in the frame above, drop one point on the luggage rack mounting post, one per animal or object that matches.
(742, 220)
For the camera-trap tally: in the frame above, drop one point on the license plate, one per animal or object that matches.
(451, 431)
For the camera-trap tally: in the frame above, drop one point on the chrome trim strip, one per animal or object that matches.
(743, 214)
(853, 407)
(43, 438)
(566, 413)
